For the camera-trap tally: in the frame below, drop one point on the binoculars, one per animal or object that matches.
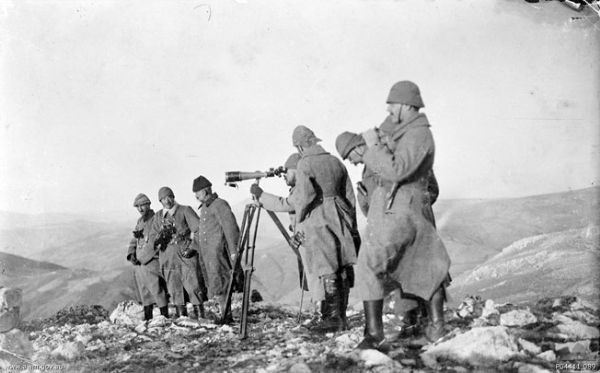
(233, 177)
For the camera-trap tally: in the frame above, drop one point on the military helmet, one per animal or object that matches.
(292, 161)
(302, 135)
(141, 199)
(347, 141)
(405, 92)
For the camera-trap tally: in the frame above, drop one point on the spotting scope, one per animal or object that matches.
(233, 177)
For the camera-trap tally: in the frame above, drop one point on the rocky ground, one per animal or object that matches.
(481, 335)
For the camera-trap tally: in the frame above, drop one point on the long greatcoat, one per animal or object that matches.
(180, 273)
(401, 238)
(324, 203)
(148, 278)
(218, 235)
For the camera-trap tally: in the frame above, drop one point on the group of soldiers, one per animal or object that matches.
(181, 255)
(400, 250)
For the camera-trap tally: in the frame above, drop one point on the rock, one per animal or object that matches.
(141, 328)
(573, 348)
(374, 358)
(470, 307)
(68, 350)
(517, 318)
(548, 356)
(583, 316)
(530, 368)
(158, 322)
(10, 305)
(300, 368)
(17, 342)
(557, 303)
(489, 309)
(581, 304)
(127, 313)
(578, 330)
(346, 341)
(484, 346)
(530, 347)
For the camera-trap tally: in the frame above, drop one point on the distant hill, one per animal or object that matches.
(48, 287)
(476, 230)
(547, 265)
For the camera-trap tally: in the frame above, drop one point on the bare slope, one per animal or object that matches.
(547, 265)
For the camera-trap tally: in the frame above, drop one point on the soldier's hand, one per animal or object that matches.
(297, 239)
(256, 190)
(371, 137)
(188, 253)
(133, 260)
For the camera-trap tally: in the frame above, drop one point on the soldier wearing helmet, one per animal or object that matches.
(401, 242)
(147, 274)
(324, 203)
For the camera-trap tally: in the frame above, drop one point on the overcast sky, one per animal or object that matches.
(101, 100)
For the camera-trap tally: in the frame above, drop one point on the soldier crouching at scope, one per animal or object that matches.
(275, 203)
(144, 257)
(178, 254)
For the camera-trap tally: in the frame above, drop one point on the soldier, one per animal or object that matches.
(324, 203)
(352, 146)
(172, 234)
(280, 204)
(218, 235)
(402, 244)
(148, 277)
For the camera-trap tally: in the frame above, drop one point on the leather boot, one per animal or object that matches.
(435, 329)
(331, 318)
(147, 313)
(164, 311)
(344, 303)
(198, 311)
(180, 311)
(374, 336)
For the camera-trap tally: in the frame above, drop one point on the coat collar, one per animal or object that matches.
(209, 201)
(314, 150)
(395, 131)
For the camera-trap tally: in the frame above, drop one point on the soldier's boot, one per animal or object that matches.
(164, 311)
(344, 302)
(331, 315)
(374, 337)
(198, 311)
(435, 329)
(180, 311)
(147, 313)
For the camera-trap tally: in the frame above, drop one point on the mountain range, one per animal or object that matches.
(61, 260)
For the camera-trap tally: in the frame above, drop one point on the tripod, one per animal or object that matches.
(245, 249)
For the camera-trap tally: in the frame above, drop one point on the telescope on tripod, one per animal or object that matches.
(234, 177)
(247, 244)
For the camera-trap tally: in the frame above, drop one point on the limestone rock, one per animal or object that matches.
(374, 358)
(530, 347)
(517, 318)
(127, 313)
(68, 350)
(548, 356)
(578, 330)
(300, 368)
(10, 304)
(573, 348)
(17, 342)
(486, 346)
